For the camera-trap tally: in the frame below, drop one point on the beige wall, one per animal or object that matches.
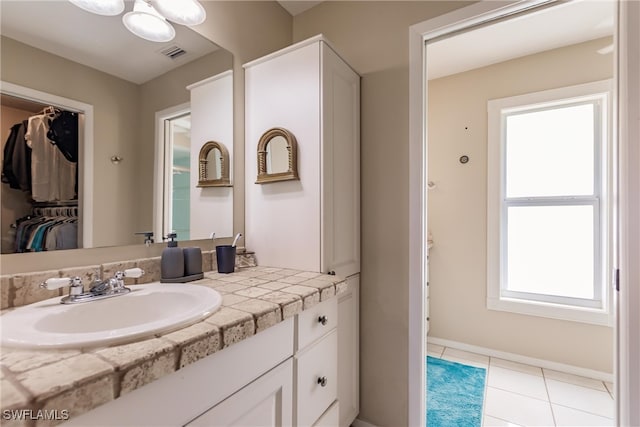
(458, 204)
(373, 36)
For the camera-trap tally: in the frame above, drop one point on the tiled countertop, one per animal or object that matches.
(77, 381)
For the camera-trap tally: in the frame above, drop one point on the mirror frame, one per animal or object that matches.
(292, 148)
(203, 179)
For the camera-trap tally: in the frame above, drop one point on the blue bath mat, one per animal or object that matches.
(455, 393)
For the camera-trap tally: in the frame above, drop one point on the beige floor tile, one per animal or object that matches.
(574, 379)
(581, 398)
(517, 382)
(517, 409)
(572, 417)
(515, 366)
(465, 357)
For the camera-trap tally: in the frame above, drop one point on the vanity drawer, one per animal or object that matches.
(315, 322)
(316, 379)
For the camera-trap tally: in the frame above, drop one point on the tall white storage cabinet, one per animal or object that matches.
(313, 223)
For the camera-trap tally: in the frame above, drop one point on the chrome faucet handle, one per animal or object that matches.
(118, 277)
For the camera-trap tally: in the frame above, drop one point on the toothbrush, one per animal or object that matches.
(238, 236)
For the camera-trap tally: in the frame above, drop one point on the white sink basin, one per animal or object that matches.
(145, 311)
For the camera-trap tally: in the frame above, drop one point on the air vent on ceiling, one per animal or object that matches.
(173, 52)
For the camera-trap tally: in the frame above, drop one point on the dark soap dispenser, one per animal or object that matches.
(171, 261)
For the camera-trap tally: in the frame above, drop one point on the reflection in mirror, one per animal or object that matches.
(214, 165)
(177, 187)
(277, 156)
(45, 49)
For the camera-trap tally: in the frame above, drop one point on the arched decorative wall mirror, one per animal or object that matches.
(277, 156)
(213, 165)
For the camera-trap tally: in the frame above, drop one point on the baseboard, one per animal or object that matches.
(542, 363)
(359, 423)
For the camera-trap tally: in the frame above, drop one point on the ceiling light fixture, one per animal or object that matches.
(148, 19)
(104, 7)
(183, 12)
(144, 21)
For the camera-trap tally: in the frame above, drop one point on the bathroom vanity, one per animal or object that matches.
(281, 348)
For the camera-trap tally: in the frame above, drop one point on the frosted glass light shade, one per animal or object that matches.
(183, 12)
(145, 22)
(101, 7)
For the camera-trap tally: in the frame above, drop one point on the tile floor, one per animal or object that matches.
(524, 395)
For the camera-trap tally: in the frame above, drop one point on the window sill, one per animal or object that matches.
(592, 316)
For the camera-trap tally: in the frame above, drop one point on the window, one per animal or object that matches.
(548, 214)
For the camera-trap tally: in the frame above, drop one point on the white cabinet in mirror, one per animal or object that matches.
(116, 200)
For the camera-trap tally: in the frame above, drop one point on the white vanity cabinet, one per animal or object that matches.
(312, 223)
(287, 375)
(249, 383)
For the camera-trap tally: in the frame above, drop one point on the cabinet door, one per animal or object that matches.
(340, 166)
(330, 417)
(265, 402)
(348, 352)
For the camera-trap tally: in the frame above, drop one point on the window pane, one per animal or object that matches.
(550, 250)
(550, 152)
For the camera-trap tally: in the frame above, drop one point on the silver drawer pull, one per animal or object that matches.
(322, 381)
(323, 320)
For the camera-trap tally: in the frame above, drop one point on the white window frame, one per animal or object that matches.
(596, 311)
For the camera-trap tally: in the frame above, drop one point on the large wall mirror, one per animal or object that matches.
(80, 61)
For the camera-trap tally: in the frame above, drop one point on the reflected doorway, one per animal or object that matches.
(172, 173)
(178, 145)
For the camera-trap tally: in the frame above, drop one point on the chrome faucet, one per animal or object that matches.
(100, 289)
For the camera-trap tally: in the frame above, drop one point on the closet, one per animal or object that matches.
(39, 190)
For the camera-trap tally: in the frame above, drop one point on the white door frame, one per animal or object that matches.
(163, 162)
(628, 299)
(628, 46)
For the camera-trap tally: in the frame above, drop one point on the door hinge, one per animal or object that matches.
(616, 279)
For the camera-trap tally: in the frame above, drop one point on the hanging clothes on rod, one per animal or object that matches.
(53, 176)
(16, 163)
(49, 228)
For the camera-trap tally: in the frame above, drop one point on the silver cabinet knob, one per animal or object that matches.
(323, 320)
(322, 381)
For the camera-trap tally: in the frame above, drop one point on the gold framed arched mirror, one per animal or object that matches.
(213, 165)
(277, 156)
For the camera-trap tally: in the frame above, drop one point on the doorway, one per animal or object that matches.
(458, 21)
(173, 172)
